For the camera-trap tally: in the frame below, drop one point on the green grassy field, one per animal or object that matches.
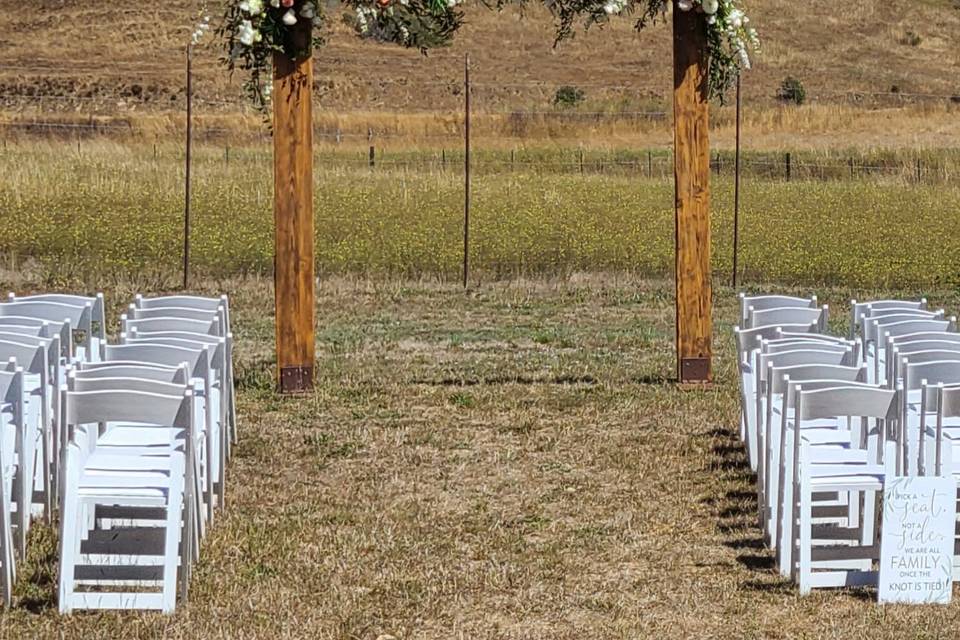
(511, 462)
(114, 212)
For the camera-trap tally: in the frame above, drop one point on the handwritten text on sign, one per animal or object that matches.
(916, 542)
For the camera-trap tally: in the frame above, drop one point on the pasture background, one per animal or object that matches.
(113, 212)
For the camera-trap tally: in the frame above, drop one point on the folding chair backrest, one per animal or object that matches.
(920, 346)
(124, 384)
(932, 372)
(861, 402)
(761, 302)
(748, 339)
(859, 309)
(779, 378)
(206, 327)
(902, 327)
(196, 359)
(873, 314)
(781, 345)
(787, 315)
(35, 331)
(178, 339)
(177, 375)
(96, 407)
(788, 334)
(188, 302)
(804, 356)
(924, 336)
(195, 338)
(32, 357)
(136, 313)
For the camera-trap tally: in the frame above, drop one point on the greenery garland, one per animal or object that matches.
(252, 30)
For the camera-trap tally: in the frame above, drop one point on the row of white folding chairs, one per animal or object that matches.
(154, 312)
(130, 515)
(811, 554)
(879, 319)
(820, 362)
(117, 538)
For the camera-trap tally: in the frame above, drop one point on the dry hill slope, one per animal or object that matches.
(133, 55)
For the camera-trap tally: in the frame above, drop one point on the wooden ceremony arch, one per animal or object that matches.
(293, 206)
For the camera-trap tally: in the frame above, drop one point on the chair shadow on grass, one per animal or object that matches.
(36, 585)
(503, 380)
(736, 508)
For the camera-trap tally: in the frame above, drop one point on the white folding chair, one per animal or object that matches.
(198, 364)
(78, 318)
(98, 324)
(777, 412)
(221, 302)
(130, 378)
(846, 469)
(215, 401)
(860, 309)
(93, 567)
(877, 331)
(35, 475)
(12, 412)
(763, 363)
(760, 302)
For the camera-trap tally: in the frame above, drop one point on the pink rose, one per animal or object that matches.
(287, 3)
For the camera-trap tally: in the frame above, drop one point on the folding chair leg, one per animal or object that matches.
(69, 526)
(805, 539)
(6, 553)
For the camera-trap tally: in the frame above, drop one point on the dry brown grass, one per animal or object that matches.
(128, 64)
(510, 462)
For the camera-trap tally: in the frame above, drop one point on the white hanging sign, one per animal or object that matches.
(916, 541)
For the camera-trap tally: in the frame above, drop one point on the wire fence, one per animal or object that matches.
(508, 135)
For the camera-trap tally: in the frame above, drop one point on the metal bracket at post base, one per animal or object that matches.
(694, 370)
(296, 379)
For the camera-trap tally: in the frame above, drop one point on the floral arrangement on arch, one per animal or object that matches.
(253, 30)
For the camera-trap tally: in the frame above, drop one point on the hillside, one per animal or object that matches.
(132, 57)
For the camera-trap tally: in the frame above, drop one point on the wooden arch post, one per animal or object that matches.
(293, 262)
(692, 190)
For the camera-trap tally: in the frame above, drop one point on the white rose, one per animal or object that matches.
(307, 11)
(244, 6)
(685, 5)
(274, 3)
(246, 37)
(289, 18)
(255, 7)
(710, 6)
